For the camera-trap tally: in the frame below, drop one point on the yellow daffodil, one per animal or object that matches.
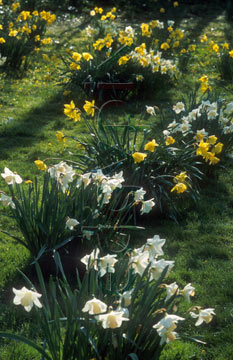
(28, 182)
(74, 66)
(212, 139)
(217, 149)
(202, 148)
(89, 107)
(231, 53)
(169, 140)
(60, 136)
(179, 188)
(181, 177)
(40, 165)
(76, 56)
(87, 56)
(164, 46)
(2, 40)
(138, 157)
(150, 146)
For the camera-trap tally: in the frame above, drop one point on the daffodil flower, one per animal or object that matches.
(94, 307)
(10, 177)
(71, 223)
(205, 315)
(26, 298)
(112, 320)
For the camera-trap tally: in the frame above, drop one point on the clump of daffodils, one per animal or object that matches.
(189, 125)
(128, 292)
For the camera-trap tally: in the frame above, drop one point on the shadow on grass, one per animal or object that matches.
(29, 129)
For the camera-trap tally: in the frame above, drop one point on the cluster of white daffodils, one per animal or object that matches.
(140, 259)
(147, 205)
(147, 255)
(63, 173)
(185, 124)
(153, 60)
(106, 184)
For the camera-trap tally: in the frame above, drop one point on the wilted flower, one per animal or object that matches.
(112, 320)
(26, 298)
(205, 315)
(71, 223)
(94, 307)
(10, 177)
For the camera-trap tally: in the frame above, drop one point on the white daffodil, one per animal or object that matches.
(98, 176)
(205, 315)
(178, 107)
(147, 206)
(63, 173)
(94, 307)
(157, 267)
(150, 110)
(91, 259)
(71, 223)
(171, 290)
(170, 22)
(106, 264)
(26, 298)
(140, 262)
(165, 328)
(188, 291)
(7, 201)
(112, 320)
(10, 177)
(84, 179)
(229, 108)
(87, 234)
(154, 246)
(139, 195)
(126, 297)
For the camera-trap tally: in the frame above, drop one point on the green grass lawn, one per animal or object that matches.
(201, 243)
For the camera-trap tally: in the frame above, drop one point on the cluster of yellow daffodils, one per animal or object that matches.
(26, 26)
(72, 112)
(109, 15)
(77, 57)
(205, 84)
(139, 156)
(180, 183)
(209, 149)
